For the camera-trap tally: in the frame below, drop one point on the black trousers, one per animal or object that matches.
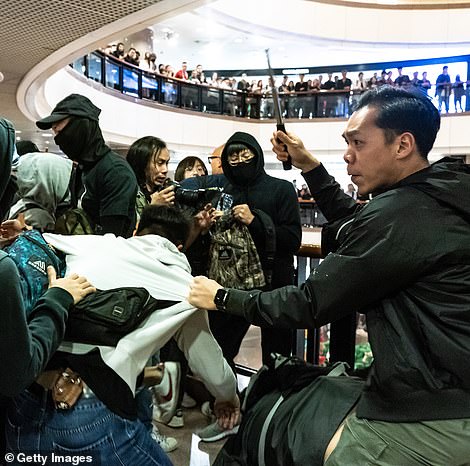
(229, 331)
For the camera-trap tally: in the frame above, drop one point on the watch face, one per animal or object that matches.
(221, 298)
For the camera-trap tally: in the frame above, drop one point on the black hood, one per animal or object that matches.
(447, 181)
(258, 162)
(7, 147)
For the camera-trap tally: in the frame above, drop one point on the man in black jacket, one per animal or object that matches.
(106, 183)
(404, 261)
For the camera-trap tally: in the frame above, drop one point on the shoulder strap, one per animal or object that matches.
(75, 185)
(270, 242)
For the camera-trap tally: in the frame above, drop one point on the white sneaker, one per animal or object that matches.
(177, 420)
(167, 444)
(188, 401)
(214, 432)
(166, 393)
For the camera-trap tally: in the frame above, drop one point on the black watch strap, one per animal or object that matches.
(220, 299)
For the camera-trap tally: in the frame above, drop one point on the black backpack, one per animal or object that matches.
(291, 409)
(104, 317)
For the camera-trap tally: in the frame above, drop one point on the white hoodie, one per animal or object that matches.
(154, 263)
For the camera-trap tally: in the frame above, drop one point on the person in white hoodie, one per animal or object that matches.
(150, 259)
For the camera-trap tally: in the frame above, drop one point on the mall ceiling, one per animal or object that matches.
(56, 31)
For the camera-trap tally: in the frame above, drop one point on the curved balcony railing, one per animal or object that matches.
(133, 81)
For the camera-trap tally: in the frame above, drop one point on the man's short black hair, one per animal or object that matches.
(26, 147)
(400, 111)
(166, 221)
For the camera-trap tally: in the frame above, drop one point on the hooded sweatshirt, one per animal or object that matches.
(43, 181)
(249, 184)
(110, 186)
(104, 180)
(404, 261)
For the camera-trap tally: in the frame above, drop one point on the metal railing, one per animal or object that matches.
(133, 81)
(149, 86)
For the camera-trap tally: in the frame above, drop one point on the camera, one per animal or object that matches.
(196, 198)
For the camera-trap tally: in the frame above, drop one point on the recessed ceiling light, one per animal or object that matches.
(17, 131)
(47, 135)
(18, 138)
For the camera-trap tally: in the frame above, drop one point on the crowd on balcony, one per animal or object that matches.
(443, 88)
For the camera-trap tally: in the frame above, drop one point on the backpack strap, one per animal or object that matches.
(269, 243)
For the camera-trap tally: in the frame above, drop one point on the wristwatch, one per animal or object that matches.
(220, 299)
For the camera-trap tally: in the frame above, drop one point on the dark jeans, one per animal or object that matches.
(34, 426)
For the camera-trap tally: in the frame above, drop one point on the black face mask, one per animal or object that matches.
(73, 139)
(244, 173)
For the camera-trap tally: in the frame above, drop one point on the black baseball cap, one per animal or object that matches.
(72, 105)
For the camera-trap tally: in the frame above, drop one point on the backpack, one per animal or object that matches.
(32, 255)
(291, 409)
(233, 259)
(104, 317)
(73, 221)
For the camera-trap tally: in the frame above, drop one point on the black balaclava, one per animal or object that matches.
(243, 174)
(82, 141)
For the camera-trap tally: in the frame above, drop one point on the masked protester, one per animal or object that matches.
(103, 181)
(254, 193)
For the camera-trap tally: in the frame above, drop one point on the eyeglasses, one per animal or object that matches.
(241, 157)
(211, 158)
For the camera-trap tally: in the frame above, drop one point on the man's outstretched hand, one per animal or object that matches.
(227, 413)
(202, 293)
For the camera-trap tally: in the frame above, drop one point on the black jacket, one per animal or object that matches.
(404, 261)
(276, 198)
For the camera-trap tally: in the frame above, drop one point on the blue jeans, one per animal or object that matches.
(34, 426)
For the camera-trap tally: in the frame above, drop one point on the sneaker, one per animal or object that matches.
(177, 420)
(207, 411)
(214, 432)
(188, 401)
(166, 393)
(167, 444)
